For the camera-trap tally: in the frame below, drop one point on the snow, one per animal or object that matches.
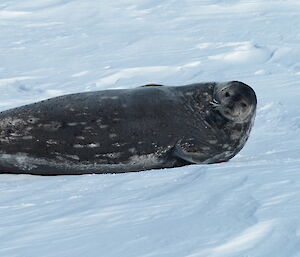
(247, 207)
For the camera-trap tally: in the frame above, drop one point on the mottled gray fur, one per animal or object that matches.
(126, 130)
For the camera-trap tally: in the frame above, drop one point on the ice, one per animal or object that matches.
(4, 14)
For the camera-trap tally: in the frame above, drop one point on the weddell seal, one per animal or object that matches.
(115, 131)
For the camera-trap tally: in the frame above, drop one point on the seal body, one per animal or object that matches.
(127, 130)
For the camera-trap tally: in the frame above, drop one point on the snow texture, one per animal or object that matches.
(247, 207)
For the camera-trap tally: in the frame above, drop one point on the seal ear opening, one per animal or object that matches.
(152, 85)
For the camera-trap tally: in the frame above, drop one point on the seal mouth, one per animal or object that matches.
(234, 114)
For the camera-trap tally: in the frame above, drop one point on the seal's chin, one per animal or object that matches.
(235, 100)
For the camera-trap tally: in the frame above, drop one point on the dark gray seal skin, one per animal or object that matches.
(126, 130)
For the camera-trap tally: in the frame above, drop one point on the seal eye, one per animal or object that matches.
(227, 94)
(243, 105)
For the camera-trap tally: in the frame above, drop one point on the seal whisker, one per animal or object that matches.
(215, 103)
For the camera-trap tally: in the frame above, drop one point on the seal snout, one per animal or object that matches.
(237, 101)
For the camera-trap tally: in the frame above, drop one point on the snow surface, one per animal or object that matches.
(247, 207)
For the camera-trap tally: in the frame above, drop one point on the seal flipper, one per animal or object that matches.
(191, 157)
(152, 85)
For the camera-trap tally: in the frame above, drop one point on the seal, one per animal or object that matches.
(126, 130)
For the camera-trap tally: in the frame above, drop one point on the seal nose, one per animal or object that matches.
(233, 109)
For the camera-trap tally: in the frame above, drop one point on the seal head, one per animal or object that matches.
(235, 100)
(224, 119)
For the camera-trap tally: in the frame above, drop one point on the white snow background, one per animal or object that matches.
(248, 207)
